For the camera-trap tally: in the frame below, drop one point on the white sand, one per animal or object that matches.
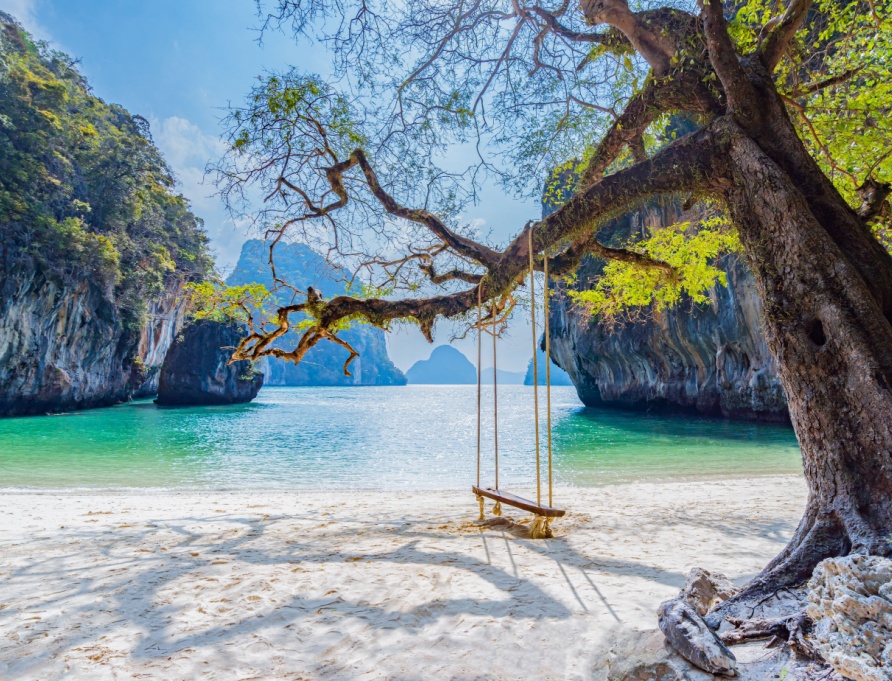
(357, 585)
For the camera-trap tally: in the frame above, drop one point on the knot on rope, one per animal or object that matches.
(540, 528)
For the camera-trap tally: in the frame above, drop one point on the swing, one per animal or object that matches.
(540, 528)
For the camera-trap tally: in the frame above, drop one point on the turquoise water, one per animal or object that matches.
(414, 437)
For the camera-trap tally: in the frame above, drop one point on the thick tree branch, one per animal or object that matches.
(774, 46)
(656, 48)
(873, 195)
(739, 92)
(681, 92)
(694, 163)
(569, 259)
(640, 112)
(636, 146)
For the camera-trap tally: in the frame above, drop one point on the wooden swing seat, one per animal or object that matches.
(518, 502)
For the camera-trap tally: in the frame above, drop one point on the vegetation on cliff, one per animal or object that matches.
(84, 193)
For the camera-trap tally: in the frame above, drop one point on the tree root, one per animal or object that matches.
(789, 630)
(817, 537)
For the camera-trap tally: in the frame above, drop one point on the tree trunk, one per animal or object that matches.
(826, 326)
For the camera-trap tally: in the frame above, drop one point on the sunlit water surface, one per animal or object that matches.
(415, 437)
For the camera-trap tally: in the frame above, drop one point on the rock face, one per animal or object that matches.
(850, 601)
(96, 242)
(65, 347)
(195, 371)
(445, 366)
(301, 267)
(167, 315)
(709, 359)
(688, 634)
(703, 589)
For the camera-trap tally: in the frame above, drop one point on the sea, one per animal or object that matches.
(415, 437)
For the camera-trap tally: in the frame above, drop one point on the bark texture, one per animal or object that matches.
(825, 291)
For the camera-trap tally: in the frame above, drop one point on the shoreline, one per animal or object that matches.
(357, 584)
(524, 490)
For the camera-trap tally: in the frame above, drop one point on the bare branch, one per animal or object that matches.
(817, 86)
(551, 22)
(463, 245)
(451, 275)
(694, 163)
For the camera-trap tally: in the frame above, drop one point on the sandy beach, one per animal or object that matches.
(358, 585)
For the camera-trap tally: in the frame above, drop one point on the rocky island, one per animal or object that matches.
(707, 359)
(303, 267)
(197, 371)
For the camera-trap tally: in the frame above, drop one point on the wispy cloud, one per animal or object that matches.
(188, 150)
(26, 13)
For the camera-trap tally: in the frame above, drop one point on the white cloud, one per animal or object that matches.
(188, 150)
(184, 144)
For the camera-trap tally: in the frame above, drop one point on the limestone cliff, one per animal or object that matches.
(165, 319)
(96, 244)
(710, 359)
(65, 347)
(301, 267)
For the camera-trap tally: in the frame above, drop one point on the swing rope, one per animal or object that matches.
(548, 380)
(497, 509)
(479, 382)
(535, 373)
(540, 528)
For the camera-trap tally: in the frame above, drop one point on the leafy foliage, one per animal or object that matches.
(691, 249)
(216, 301)
(84, 193)
(837, 84)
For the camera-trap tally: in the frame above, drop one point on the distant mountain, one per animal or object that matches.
(301, 266)
(505, 377)
(449, 366)
(298, 264)
(445, 366)
(558, 375)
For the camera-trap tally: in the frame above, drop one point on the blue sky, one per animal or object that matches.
(178, 63)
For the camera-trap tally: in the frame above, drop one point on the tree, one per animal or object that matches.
(790, 140)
